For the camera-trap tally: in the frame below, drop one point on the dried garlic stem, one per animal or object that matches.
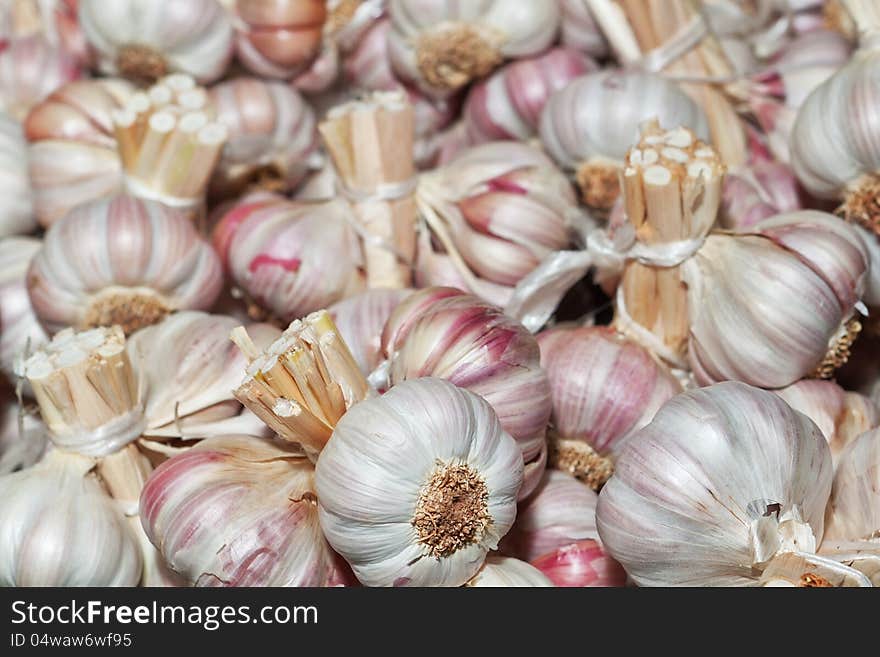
(578, 459)
(371, 143)
(672, 191)
(453, 54)
(862, 203)
(304, 382)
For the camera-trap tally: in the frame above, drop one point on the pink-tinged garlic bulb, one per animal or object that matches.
(290, 258)
(442, 45)
(559, 512)
(30, 69)
(841, 415)
(73, 156)
(122, 261)
(508, 104)
(239, 510)
(360, 320)
(279, 38)
(55, 20)
(589, 125)
(507, 572)
(144, 40)
(449, 479)
(16, 202)
(23, 437)
(446, 333)
(497, 210)
(190, 368)
(605, 387)
(20, 329)
(272, 134)
(579, 565)
(724, 482)
(442, 147)
(579, 29)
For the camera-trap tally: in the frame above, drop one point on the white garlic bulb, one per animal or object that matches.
(722, 481)
(58, 527)
(16, 203)
(23, 437)
(19, 327)
(30, 69)
(143, 40)
(579, 29)
(122, 261)
(506, 572)
(854, 509)
(449, 479)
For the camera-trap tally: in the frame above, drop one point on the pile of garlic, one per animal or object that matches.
(426, 293)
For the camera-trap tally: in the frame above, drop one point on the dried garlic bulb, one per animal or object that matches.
(449, 479)
(581, 564)
(30, 69)
(16, 201)
(20, 329)
(507, 572)
(121, 261)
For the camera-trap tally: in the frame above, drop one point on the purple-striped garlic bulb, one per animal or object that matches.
(589, 125)
(144, 40)
(272, 136)
(121, 260)
(497, 210)
(579, 565)
(30, 69)
(579, 29)
(23, 437)
(507, 572)
(446, 333)
(727, 486)
(278, 38)
(442, 45)
(20, 330)
(73, 155)
(604, 387)
(290, 258)
(16, 198)
(508, 104)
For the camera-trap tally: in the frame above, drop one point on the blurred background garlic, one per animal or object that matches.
(589, 125)
(272, 136)
(450, 476)
(604, 387)
(498, 571)
(20, 330)
(581, 564)
(23, 437)
(16, 202)
(445, 333)
(55, 20)
(579, 29)
(30, 69)
(290, 258)
(121, 261)
(442, 45)
(143, 40)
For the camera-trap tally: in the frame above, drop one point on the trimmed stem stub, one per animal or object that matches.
(839, 349)
(453, 54)
(579, 460)
(599, 183)
(862, 203)
(131, 309)
(452, 511)
(140, 63)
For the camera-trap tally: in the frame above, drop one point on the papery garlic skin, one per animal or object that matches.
(121, 260)
(19, 327)
(58, 527)
(239, 510)
(854, 509)
(30, 69)
(272, 135)
(721, 481)
(443, 332)
(506, 572)
(291, 258)
(145, 40)
(581, 564)
(579, 30)
(73, 157)
(16, 202)
(762, 189)
(423, 440)
(23, 436)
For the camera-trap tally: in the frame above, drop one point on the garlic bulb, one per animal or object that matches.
(605, 387)
(762, 189)
(442, 45)
(450, 476)
(72, 157)
(443, 332)
(16, 203)
(144, 40)
(58, 527)
(272, 135)
(360, 320)
(581, 564)
(239, 510)
(121, 261)
(279, 39)
(20, 329)
(30, 69)
(508, 104)
(854, 509)
(23, 437)
(290, 258)
(55, 20)
(722, 482)
(561, 511)
(579, 29)
(498, 571)
(840, 415)
(588, 126)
